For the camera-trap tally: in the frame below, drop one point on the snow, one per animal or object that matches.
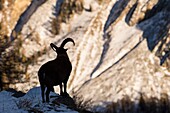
(8, 103)
(31, 101)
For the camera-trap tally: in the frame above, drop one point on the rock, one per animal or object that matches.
(30, 102)
(129, 66)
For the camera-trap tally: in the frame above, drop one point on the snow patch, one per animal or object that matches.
(32, 102)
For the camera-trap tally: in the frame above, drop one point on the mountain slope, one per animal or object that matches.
(121, 58)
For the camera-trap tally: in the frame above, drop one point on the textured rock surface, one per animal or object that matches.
(10, 13)
(129, 66)
(121, 52)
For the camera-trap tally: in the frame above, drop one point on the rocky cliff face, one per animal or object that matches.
(121, 58)
(130, 67)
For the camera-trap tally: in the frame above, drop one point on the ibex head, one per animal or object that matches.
(61, 50)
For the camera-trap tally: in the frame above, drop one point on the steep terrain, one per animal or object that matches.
(121, 58)
(129, 70)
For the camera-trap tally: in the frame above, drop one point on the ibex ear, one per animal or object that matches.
(54, 47)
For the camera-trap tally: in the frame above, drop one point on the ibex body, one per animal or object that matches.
(55, 72)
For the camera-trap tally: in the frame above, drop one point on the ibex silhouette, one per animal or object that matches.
(55, 72)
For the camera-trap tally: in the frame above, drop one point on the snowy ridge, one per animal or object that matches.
(30, 102)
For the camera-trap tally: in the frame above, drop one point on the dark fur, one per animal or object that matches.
(55, 72)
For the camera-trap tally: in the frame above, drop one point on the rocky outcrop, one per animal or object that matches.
(17, 102)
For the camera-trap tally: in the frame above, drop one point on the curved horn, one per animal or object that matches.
(53, 46)
(67, 40)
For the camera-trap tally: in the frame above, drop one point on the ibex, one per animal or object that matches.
(55, 72)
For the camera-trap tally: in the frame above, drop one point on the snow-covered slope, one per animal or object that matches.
(30, 102)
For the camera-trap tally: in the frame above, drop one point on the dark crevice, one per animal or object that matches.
(130, 13)
(58, 7)
(106, 46)
(16, 94)
(115, 12)
(155, 27)
(160, 6)
(25, 16)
